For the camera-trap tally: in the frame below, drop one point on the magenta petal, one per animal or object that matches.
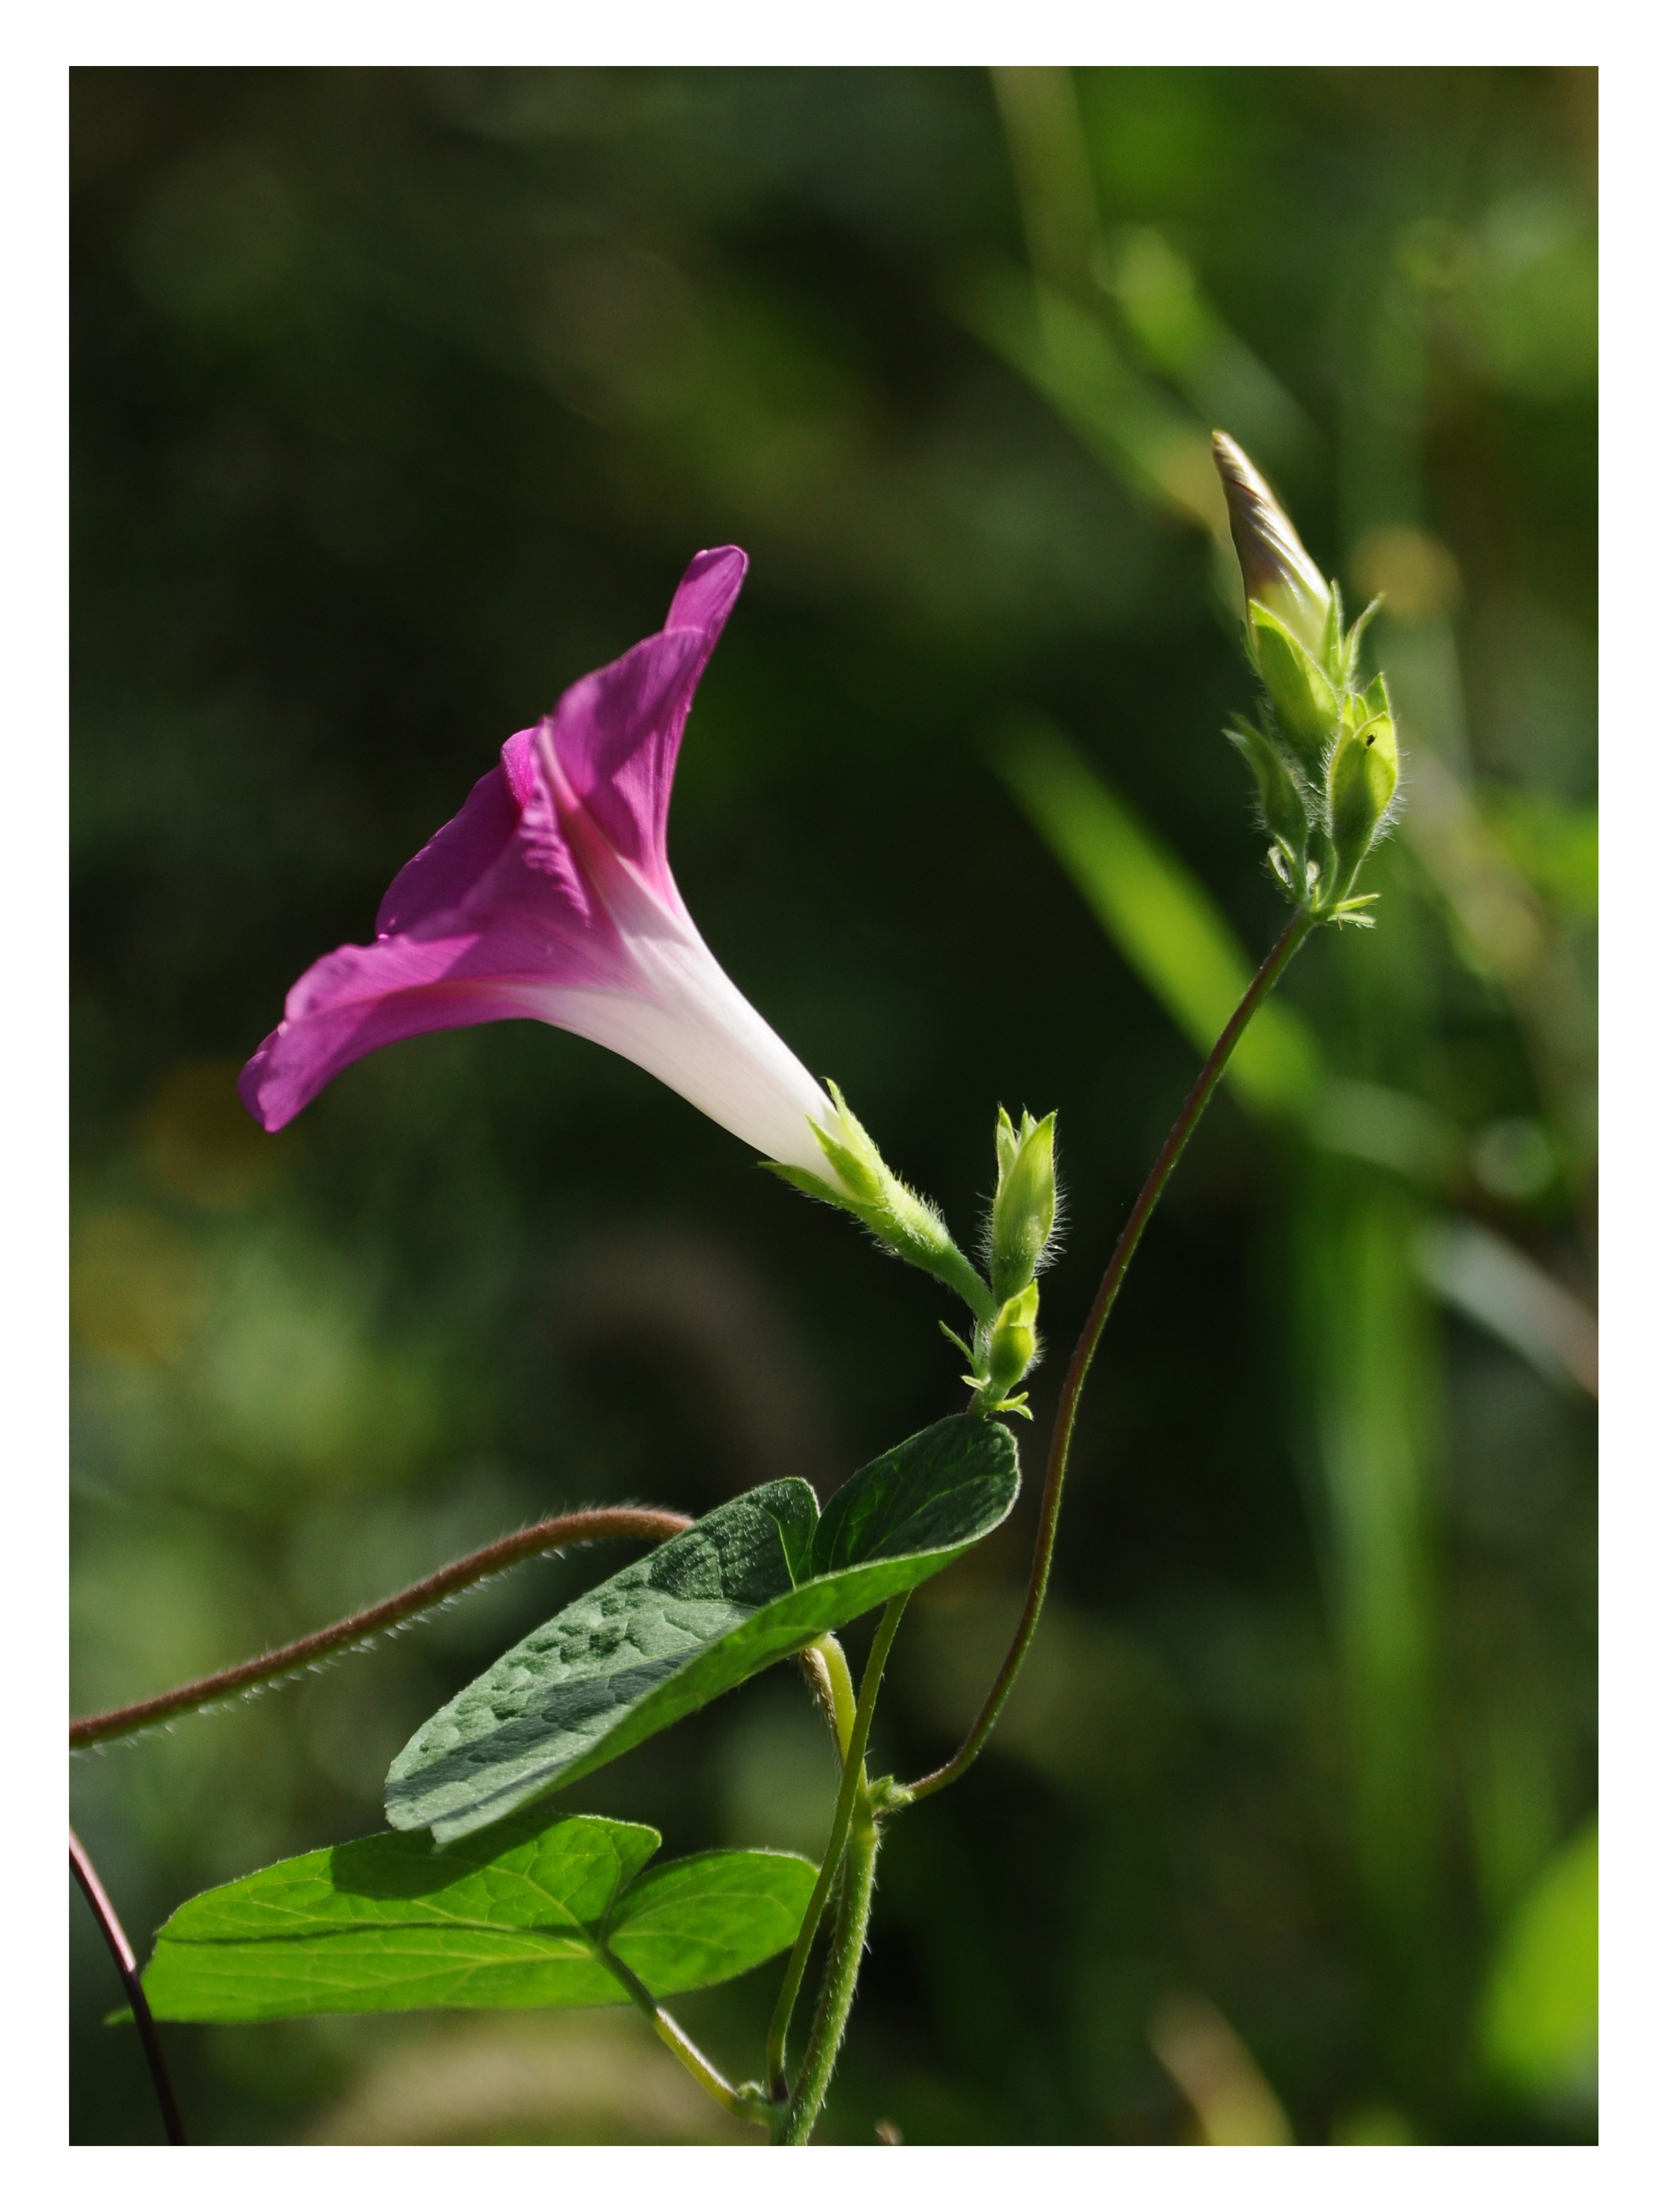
(549, 895)
(615, 736)
(362, 996)
(449, 865)
(618, 732)
(708, 591)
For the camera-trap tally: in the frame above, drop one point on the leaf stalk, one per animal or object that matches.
(701, 2069)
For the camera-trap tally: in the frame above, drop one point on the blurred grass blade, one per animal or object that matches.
(1051, 170)
(520, 1919)
(748, 1584)
(1070, 357)
(1389, 1128)
(1538, 2017)
(1178, 328)
(1487, 1278)
(1159, 915)
(1373, 1381)
(1227, 2090)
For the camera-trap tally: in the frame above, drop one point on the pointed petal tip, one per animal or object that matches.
(1235, 465)
(252, 1085)
(708, 590)
(1271, 556)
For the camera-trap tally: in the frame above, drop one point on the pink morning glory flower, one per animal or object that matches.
(549, 897)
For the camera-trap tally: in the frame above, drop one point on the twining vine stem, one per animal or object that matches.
(644, 1523)
(841, 1971)
(1291, 939)
(126, 1966)
(850, 1860)
(854, 1836)
(851, 1800)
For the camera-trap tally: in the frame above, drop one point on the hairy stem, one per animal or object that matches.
(854, 1789)
(126, 1965)
(634, 1521)
(1289, 941)
(840, 1976)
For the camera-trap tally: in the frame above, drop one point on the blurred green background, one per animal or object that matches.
(402, 399)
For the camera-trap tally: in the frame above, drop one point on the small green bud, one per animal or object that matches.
(1011, 1346)
(1279, 574)
(1304, 703)
(1364, 772)
(1023, 1211)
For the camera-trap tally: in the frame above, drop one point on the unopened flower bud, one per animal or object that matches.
(1364, 773)
(1326, 761)
(1010, 1346)
(1023, 1211)
(1304, 702)
(1279, 574)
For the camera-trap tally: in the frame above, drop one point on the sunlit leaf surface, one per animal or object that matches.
(526, 1916)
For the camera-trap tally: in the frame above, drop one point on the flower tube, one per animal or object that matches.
(549, 897)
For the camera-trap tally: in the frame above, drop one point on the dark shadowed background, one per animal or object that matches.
(402, 399)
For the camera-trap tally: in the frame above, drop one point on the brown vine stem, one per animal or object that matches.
(639, 1522)
(1291, 939)
(126, 1966)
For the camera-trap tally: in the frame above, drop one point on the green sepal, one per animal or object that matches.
(1011, 1346)
(812, 1185)
(1285, 801)
(1362, 780)
(966, 1350)
(1332, 652)
(1007, 1142)
(896, 1216)
(1303, 701)
(1352, 642)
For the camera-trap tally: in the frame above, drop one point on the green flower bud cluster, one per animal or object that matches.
(1325, 757)
(1019, 1234)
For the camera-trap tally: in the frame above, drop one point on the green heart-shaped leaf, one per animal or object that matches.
(521, 1918)
(748, 1584)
